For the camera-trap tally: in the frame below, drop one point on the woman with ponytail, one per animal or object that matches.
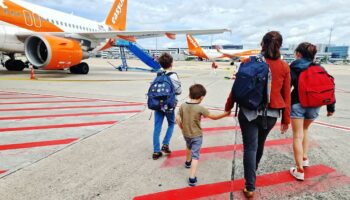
(302, 117)
(252, 122)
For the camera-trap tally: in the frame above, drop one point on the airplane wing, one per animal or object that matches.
(150, 34)
(128, 35)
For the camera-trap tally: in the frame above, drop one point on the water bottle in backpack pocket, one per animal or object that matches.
(161, 93)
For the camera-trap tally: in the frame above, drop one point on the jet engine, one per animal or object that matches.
(53, 52)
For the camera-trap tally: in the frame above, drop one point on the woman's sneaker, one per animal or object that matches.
(156, 155)
(248, 194)
(192, 181)
(165, 149)
(306, 162)
(188, 164)
(297, 174)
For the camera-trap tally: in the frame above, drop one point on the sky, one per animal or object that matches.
(297, 21)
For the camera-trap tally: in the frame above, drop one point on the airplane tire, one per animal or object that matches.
(14, 65)
(82, 68)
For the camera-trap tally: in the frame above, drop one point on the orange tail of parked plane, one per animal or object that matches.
(116, 18)
(193, 47)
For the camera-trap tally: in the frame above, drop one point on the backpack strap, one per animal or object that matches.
(171, 73)
(161, 73)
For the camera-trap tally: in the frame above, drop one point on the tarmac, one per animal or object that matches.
(66, 136)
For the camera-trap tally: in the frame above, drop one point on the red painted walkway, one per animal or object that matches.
(70, 107)
(28, 128)
(233, 186)
(69, 115)
(47, 102)
(36, 144)
(218, 149)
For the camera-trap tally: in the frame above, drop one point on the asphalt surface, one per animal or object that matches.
(67, 136)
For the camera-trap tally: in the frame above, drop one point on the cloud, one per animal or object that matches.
(298, 21)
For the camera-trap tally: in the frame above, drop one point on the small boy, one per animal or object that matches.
(188, 118)
(166, 62)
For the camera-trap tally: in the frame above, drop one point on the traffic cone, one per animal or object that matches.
(32, 73)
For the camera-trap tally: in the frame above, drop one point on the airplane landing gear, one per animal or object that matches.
(14, 65)
(82, 68)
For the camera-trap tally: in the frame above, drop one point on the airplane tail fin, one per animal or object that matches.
(116, 18)
(194, 48)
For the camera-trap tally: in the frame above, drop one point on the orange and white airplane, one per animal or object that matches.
(218, 54)
(52, 39)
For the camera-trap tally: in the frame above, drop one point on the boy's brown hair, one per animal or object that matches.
(197, 91)
(165, 61)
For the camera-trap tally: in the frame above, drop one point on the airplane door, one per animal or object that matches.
(37, 20)
(28, 18)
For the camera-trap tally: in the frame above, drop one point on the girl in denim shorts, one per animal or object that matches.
(301, 117)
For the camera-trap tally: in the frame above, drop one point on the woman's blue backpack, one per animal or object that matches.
(161, 93)
(250, 88)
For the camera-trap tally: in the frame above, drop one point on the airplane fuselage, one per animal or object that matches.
(20, 16)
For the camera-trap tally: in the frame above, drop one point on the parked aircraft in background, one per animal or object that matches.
(217, 54)
(52, 39)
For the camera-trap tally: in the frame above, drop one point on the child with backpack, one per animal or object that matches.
(162, 99)
(189, 120)
(262, 91)
(312, 88)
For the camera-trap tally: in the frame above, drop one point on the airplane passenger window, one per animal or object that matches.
(18, 13)
(5, 11)
(65, 24)
(70, 25)
(12, 13)
(57, 22)
(62, 23)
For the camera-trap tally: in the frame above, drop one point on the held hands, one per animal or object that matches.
(227, 113)
(284, 128)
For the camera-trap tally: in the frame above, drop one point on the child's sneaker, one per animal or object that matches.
(157, 155)
(192, 181)
(165, 149)
(306, 162)
(188, 164)
(297, 174)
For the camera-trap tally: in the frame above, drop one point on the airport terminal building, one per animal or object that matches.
(330, 53)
